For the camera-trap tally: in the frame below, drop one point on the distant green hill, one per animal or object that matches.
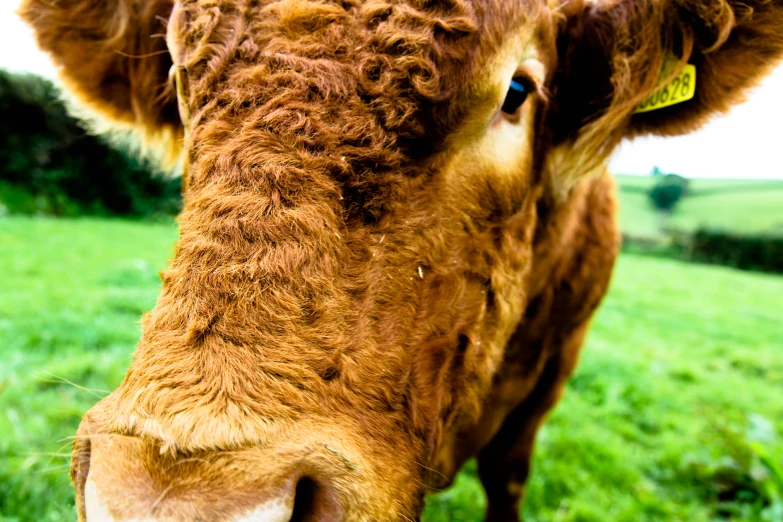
(742, 206)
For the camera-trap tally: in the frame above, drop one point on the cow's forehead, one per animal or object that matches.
(449, 28)
(397, 61)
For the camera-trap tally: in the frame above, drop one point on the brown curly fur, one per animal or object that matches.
(362, 294)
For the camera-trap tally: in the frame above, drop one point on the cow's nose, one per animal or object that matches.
(280, 509)
(127, 479)
(308, 501)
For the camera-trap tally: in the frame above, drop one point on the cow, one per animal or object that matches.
(397, 225)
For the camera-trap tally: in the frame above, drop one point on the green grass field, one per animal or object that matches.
(675, 414)
(742, 206)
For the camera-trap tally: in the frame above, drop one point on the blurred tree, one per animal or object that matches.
(46, 152)
(666, 194)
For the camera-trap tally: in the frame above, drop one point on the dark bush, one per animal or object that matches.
(64, 170)
(761, 253)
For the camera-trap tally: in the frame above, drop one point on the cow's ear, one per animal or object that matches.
(112, 56)
(614, 54)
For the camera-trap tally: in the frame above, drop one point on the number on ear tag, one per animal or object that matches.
(680, 89)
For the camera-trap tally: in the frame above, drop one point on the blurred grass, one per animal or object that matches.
(674, 414)
(71, 295)
(736, 205)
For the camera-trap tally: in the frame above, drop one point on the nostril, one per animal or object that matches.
(304, 500)
(315, 502)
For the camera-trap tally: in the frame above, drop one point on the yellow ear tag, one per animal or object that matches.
(680, 89)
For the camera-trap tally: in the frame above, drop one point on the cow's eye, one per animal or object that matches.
(516, 95)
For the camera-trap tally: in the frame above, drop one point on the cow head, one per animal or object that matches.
(362, 189)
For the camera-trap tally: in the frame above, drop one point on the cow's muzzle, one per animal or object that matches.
(121, 478)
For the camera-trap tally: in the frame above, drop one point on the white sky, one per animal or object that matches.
(747, 143)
